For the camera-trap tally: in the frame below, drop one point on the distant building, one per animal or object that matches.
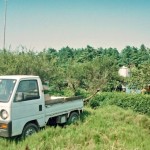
(124, 71)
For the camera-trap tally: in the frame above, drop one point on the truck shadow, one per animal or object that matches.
(84, 115)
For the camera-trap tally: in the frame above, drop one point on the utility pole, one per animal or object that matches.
(5, 15)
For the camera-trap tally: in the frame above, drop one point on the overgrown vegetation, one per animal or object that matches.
(81, 72)
(137, 102)
(72, 71)
(109, 127)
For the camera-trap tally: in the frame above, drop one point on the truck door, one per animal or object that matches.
(28, 105)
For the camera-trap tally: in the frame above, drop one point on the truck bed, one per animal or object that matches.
(62, 105)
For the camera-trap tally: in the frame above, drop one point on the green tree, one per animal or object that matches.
(139, 76)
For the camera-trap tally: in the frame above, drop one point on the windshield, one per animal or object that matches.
(6, 89)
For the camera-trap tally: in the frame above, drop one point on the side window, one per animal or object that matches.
(27, 90)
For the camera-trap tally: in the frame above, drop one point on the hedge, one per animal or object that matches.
(137, 102)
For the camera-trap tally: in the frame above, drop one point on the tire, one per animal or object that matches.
(29, 129)
(73, 118)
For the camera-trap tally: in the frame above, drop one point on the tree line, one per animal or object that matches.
(73, 71)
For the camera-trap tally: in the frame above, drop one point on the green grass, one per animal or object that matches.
(106, 128)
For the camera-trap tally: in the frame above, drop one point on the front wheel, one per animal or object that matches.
(29, 129)
(74, 116)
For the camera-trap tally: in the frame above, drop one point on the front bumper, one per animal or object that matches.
(5, 129)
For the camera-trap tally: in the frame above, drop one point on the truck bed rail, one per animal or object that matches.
(55, 100)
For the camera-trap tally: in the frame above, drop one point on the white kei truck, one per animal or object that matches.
(24, 108)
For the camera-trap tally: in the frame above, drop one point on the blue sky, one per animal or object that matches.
(39, 24)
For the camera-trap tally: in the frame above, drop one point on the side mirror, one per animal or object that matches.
(19, 96)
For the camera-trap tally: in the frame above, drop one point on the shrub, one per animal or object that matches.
(82, 93)
(137, 102)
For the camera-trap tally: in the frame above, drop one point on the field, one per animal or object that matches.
(106, 128)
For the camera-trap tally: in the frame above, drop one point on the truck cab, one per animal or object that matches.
(23, 108)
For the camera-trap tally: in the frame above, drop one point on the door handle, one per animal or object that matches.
(40, 107)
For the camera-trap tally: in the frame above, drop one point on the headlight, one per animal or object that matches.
(4, 114)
